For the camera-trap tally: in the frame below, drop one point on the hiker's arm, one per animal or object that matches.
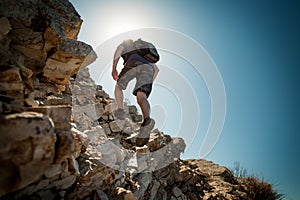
(156, 70)
(117, 56)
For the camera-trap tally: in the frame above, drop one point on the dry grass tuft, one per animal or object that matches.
(255, 188)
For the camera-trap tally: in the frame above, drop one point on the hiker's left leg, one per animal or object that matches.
(119, 96)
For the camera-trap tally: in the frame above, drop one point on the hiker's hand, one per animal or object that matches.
(114, 74)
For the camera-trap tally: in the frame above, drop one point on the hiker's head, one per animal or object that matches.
(128, 42)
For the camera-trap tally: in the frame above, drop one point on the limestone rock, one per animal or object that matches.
(27, 149)
(41, 91)
(57, 99)
(93, 175)
(53, 170)
(65, 146)
(37, 15)
(10, 75)
(116, 126)
(31, 103)
(37, 27)
(122, 194)
(27, 73)
(81, 142)
(11, 87)
(94, 111)
(83, 122)
(67, 60)
(61, 115)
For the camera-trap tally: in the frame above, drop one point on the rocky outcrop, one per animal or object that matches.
(27, 149)
(39, 50)
(39, 55)
(59, 138)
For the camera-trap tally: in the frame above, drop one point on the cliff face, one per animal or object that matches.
(58, 135)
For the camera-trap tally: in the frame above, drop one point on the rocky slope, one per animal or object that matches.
(58, 135)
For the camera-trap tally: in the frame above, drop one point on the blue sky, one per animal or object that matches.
(255, 45)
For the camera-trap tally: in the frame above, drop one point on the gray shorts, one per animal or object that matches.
(142, 72)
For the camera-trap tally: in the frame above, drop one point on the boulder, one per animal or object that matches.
(10, 75)
(27, 148)
(60, 115)
(70, 56)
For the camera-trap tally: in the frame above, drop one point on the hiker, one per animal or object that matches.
(145, 71)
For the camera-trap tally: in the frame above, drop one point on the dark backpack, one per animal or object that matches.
(146, 50)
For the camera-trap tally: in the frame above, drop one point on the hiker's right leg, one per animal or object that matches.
(148, 123)
(143, 103)
(119, 96)
(143, 87)
(126, 75)
(119, 113)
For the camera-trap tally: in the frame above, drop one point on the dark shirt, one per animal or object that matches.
(137, 57)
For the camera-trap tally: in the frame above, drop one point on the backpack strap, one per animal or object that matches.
(129, 49)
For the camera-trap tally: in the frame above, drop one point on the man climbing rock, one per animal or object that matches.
(139, 63)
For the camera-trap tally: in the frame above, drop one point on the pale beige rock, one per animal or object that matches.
(61, 115)
(53, 36)
(106, 128)
(64, 183)
(42, 90)
(81, 142)
(31, 103)
(27, 146)
(27, 38)
(53, 170)
(116, 126)
(11, 87)
(82, 121)
(56, 69)
(111, 107)
(26, 72)
(94, 111)
(32, 52)
(68, 59)
(61, 13)
(10, 75)
(38, 94)
(143, 149)
(123, 194)
(33, 188)
(58, 99)
(65, 146)
(94, 175)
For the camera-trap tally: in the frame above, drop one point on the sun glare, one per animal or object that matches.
(117, 27)
(118, 21)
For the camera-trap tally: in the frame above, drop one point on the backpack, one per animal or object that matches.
(147, 50)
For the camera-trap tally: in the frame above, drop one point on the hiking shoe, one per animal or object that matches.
(144, 133)
(120, 113)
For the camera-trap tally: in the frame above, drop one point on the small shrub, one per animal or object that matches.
(260, 190)
(255, 188)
